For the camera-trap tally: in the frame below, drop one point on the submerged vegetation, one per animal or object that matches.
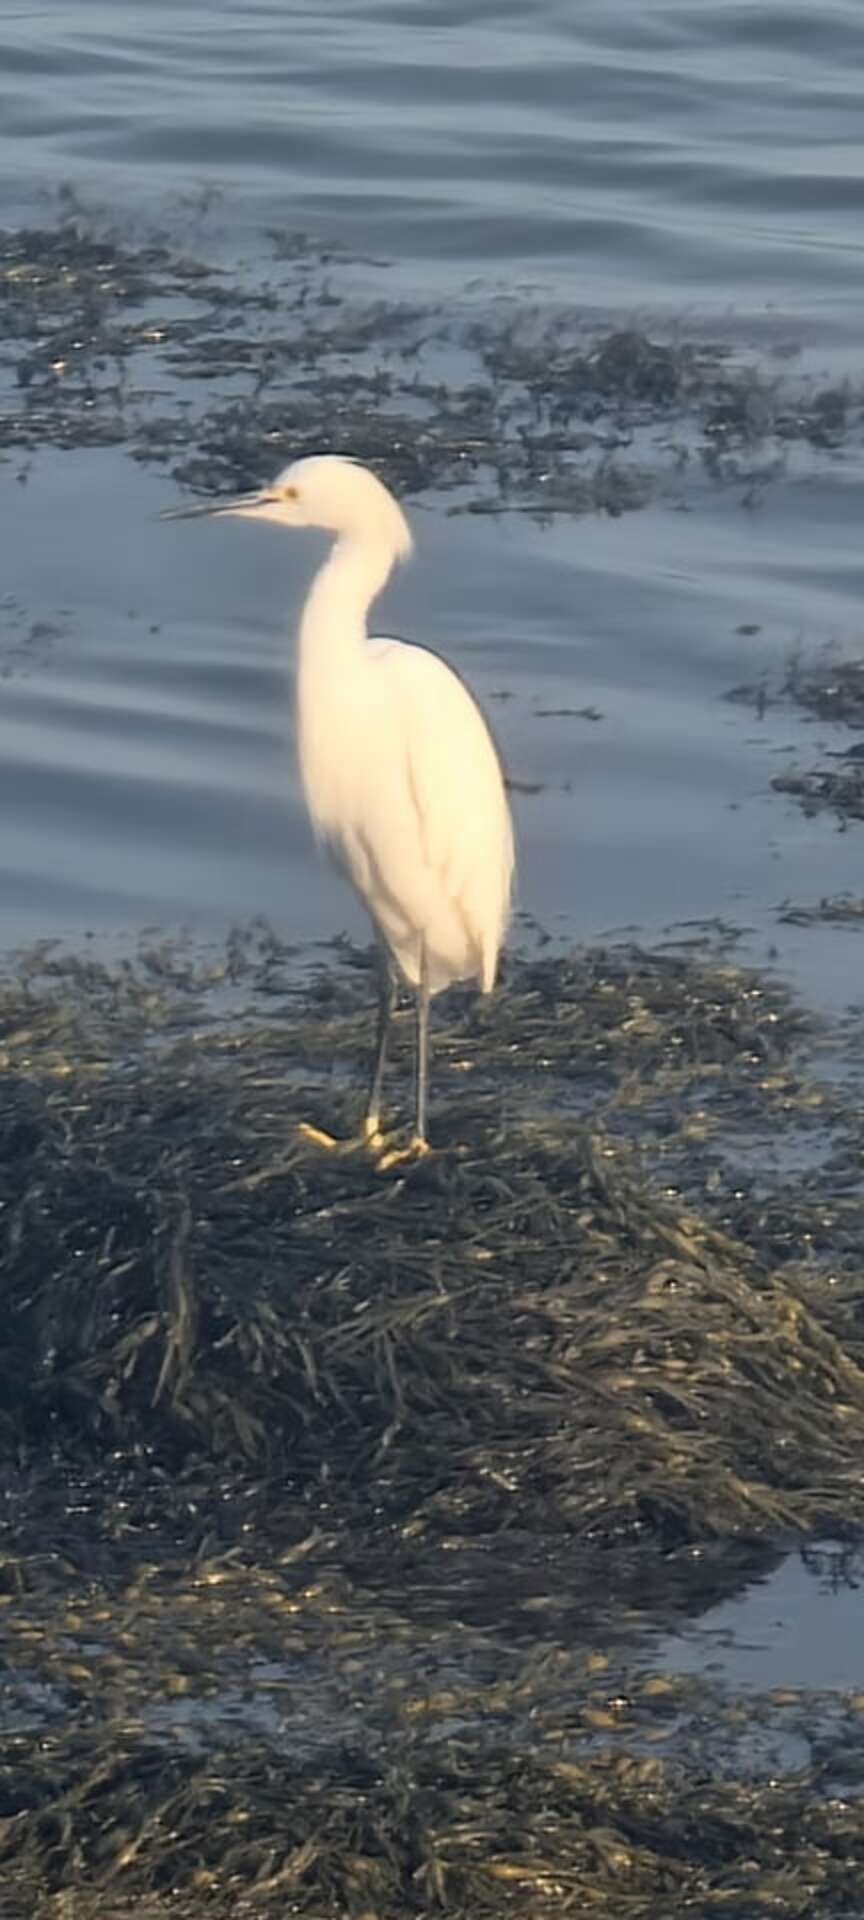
(275, 1427)
(831, 691)
(842, 793)
(223, 379)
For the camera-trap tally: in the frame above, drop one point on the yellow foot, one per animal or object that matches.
(416, 1149)
(383, 1147)
(370, 1139)
(318, 1138)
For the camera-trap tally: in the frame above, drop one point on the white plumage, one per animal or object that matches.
(418, 816)
(401, 776)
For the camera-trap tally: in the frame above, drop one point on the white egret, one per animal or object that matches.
(400, 773)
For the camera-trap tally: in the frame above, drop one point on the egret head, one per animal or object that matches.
(327, 491)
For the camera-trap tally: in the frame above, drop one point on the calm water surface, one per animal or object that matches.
(658, 164)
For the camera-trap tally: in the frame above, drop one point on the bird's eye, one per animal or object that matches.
(289, 493)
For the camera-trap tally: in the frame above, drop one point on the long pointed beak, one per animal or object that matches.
(234, 503)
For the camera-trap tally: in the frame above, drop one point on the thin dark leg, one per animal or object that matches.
(387, 997)
(422, 1053)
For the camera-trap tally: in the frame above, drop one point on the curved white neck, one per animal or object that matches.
(333, 621)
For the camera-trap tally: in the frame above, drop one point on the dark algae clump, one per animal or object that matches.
(221, 378)
(842, 793)
(832, 693)
(337, 1504)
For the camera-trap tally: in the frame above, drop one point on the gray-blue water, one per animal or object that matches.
(626, 154)
(672, 166)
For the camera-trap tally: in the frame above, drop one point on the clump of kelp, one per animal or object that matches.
(526, 1321)
(259, 1407)
(427, 1821)
(826, 789)
(222, 376)
(840, 910)
(831, 691)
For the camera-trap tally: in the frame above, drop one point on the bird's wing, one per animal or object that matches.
(455, 786)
